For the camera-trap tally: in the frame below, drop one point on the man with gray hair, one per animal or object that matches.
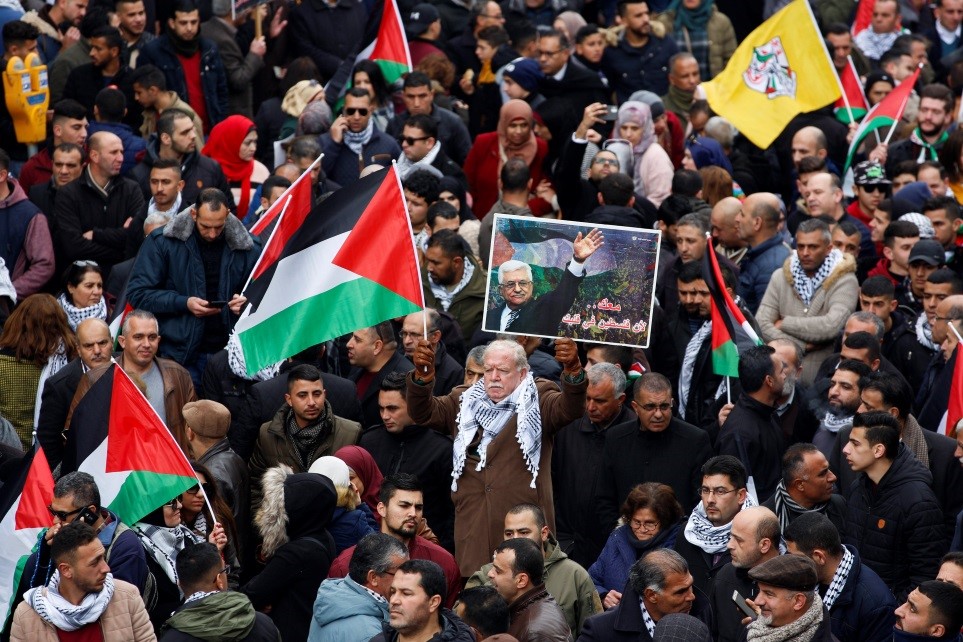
(659, 584)
(521, 312)
(356, 607)
(448, 373)
(578, 456)
(504, 426)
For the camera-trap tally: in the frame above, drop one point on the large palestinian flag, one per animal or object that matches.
(731, 332)
(116, 436)
(23, 504)
(352, 264)
(886, 112)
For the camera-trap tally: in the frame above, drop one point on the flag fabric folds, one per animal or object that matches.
(851, 106)
(954, 402)
(352, 264)
(731, 332)
(780, 70)
(117, 437)
(300, 193)
(886, 112)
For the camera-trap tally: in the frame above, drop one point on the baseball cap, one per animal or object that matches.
(420, 18)
(870, 173)
(928, 251)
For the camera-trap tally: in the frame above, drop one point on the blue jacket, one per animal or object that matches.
(343, 166)
(134, 144)
(348, 527)
(169, 270)
(611, 570)
(345, 612)
(160, 53)
(756, 269)
(864, 610)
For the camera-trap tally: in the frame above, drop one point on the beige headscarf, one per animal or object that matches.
(513, 110)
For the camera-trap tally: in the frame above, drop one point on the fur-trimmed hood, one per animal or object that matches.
(45, 28)
(294, 505)
(846, 266)
(235, 234)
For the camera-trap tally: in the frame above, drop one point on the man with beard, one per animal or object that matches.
(806, 486)
(835, 410)
(641, 59)
(934, 611)
(401, 506)
(790, 609)
(448, 373)
(753, 540)
(949, 309)
(107, 68)
(454, 281)
(132, 16)
(934, 118)
(683, 80)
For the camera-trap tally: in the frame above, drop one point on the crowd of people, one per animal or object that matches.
(424, 478)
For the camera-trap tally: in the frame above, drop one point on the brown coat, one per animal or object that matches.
(124, 620)
(178, 390)
(535, 617)
(484, 497)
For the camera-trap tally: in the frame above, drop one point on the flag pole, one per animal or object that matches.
(862, 93)
(902, 108)
(277, 226)
(842, 90)
(956, 332)
(728, 389)
(411, 230)
(287, 192)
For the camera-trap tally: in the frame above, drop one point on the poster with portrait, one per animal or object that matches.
(536, 287)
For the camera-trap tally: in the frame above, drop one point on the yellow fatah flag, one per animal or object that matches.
(780, 70)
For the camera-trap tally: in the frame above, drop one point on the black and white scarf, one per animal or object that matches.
(839, 579)
(699, 531)
(787, 507)
(200, 595)
(647, 619)
(235, 360)
(75, 315)
(443, 295)
(357, 140)
(834, 422)
(805, 285)
(51, 606)
(163, 544)
(688, 364)
(924, 333)
(477, 410)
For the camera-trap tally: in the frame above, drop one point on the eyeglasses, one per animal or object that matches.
(652, 407)
(875, 188)
(63, 515)
(226, 570)
(511, 285)
(718, 492)
(646, 525)
(549, 54)
(351, 111)
(173, 504)
(86, 263)
(606, 161)
(410, 140)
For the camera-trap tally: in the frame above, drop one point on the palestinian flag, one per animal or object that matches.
(351, 264)
(23, 502)
(886, 112)
(731, 332)
(117, 325)
(851, 106)
(954, 403)
(116, 436)
(300, 195)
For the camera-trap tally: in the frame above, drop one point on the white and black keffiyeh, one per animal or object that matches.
(235, 361)
(443, 295)
(477, 410)
(787, 507)
(200, 595)
(688, 364)
(75, 315)
(924, 333)
(699, 531)
(53, 608)
(806, 286)
(163, 544)
(647, 619)
(839, 579)
(834, 422)
(357, 140)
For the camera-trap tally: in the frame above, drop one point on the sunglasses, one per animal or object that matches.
(196, 488)
(411, 140)
(173, 504)
(63, 515)
(875, 188)
(351, 111)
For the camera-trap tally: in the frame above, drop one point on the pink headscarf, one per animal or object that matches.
(365, 467)
(514, 110)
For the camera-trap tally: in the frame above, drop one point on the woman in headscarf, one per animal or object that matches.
(704, 152)
(652, 168)
(352, 519)
(701, 29)
(568, 23)
(363, 473)
(232, 143)
(514, 138)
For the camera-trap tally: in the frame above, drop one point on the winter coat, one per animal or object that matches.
(703, 566)
(344, 611)
(904, 350)
(616, 215)
(820, 322)
(481, 169)
(726, 617)
(624, 622)
(756, 269)
(169, 270)
(863, 612)
(722, 38)
(197, 171)
(453, 630)
(897, 526)
(755, 425)
(630, 69)
(370, 414)
(233, 482)
(632, 456)
(565, 580)
(468, 306)
(82, 206)
(239, 67)
(27, 249)
(534, 616)
(452, 131)
(611, 570)
(124, 620)
(160, 53)
(327, 34)
(343, 166)
(86, 81)
(484, 497)
(347, 527)
(134, 145)
(226, 615)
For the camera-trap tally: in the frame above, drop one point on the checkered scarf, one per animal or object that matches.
(688, 364)
(64, 616)
(839, 578)
(699, 531)
(805, 285)
(787, 507)
(647, 619)
(477, 410)
(75, 315)
(443, 295)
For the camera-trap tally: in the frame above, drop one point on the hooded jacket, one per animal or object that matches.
(897, 526)
(292, 521)
(25, 243)
(226, 615)
(345, 611)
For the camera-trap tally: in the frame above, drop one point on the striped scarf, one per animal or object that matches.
(787, 508)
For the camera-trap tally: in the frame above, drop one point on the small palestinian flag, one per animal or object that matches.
(116, 436)
(731, 332)
(886, 112)
(118, 324)
(851, 106)
(352, 264)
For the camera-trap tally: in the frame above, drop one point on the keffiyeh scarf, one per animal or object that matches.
(235, 360)
(805, 285)
(647, 619)
(477, 410)
(688, 363)
(699, 531)
(163, 544)
(839, 579)
(787, 507)
(53, 608)
(928, 151)
(357, 140)
(75, 315)
(834, 423)
(443, 295)
(200, 595)
(924, 333)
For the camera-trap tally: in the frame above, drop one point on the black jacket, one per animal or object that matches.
(624, 622)
(452, 132)
(220, 384)
(578, 455)
(577, 196)
(537, 315)
(617, 215)
(327, 34)
(754, 424)
(198, 172)
(864, 610)
(726, 616)
(265, 397)
(425, 453)
(578, 88)
(632, 456)
(370, 415)
(905, 352)
(453, 630)
(703, 566)
(630, 69)
(58, 392)
(86, 81)
(898, 525)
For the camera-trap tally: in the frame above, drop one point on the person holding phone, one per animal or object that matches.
(353, 142)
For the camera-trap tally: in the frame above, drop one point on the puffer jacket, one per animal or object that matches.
(169, 270)
(722, 38)
(864, 610)
(898, 526)
(344, 611)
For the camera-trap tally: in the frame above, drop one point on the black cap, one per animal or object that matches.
(421, 17)
(928, 251)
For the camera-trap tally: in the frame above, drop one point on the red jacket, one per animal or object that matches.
(481, 169)
(38, 169)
